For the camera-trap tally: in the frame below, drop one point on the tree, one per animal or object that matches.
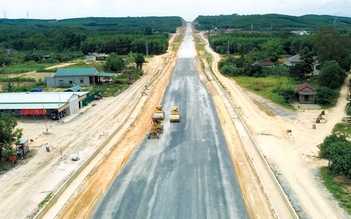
(139, 60)
(287, 94)
(331, 75)
(279, 72)
(4, 59)
(257, 70)
(300, 70)
(272, 49)
(329, 44)
(326, 96)
(8, 134)
(307, 56)
(114, 63)
(148, 30)
(336, 149)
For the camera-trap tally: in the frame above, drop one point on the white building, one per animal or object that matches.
(41, 103)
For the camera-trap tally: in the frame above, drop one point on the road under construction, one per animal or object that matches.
(187, 172)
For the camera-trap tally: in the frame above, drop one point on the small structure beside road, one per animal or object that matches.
(22, 147)
(306, 93)
(41, 104)
(76, 76)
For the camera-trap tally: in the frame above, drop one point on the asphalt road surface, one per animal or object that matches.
(188, 172)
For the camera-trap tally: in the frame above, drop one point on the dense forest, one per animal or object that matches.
(95, 24)
(63, 40)
(271, 22)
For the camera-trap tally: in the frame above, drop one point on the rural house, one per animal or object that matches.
(293, 60)
(93, 57)
(306, 93)
(76, 77)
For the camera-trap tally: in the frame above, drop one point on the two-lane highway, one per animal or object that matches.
(188, 172)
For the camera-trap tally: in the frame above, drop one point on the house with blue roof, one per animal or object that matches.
(76, 77)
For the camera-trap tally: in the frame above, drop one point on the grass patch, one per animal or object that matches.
(200, 47)
(178, 38)
(24, 67)
(339, 188)
(109, 89)
(46, 200)
(266, 87)
(343, 128)
(5, 166)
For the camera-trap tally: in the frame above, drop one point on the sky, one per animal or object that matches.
(187, 9)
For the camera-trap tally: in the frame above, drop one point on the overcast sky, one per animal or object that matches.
(187, 9)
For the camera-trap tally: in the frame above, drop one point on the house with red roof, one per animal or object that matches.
(267, 63)
(306, 93)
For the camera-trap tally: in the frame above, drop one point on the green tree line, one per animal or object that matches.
(67, 39)
(271, 22)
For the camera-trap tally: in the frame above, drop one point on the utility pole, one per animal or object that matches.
(228, 53)
(147, 49)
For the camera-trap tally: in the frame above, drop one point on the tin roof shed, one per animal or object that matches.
(76, 72)
(36, 100)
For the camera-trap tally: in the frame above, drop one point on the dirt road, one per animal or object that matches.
(292, 156)
(76, 135)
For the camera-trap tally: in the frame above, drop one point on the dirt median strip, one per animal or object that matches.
(81, 206)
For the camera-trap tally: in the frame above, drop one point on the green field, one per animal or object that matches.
(266, 87)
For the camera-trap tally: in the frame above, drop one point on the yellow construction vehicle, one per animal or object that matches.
(159, 114)
(156, 129)
(174, 117)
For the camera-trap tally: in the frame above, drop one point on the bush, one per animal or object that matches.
(231, 70)
(326, 96)
(331, 75)
(288, 95)
(23, 88)
(17, 79)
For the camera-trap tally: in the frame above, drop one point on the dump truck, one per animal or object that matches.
(174, 117)
(156, 129)
(159, 114)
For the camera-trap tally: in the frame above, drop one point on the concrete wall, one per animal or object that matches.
(73, 105)
(307, 99)
(57, 81)
(50, 82)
